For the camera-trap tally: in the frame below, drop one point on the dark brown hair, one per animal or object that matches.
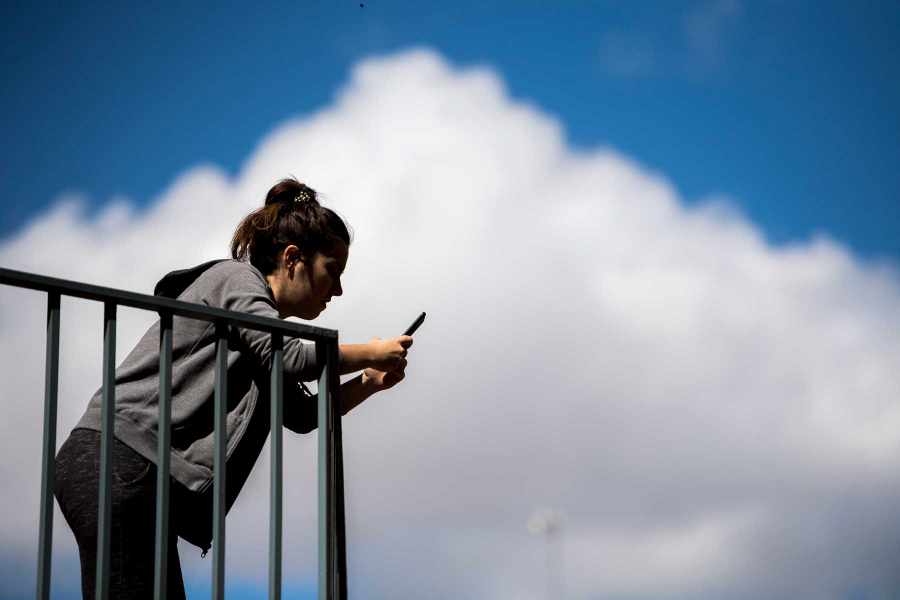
(291, 215)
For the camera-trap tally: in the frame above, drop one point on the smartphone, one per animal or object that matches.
(415, 325)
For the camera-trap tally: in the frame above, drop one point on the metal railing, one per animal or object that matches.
(332, 582)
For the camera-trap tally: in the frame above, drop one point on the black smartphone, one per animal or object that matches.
(415, 325)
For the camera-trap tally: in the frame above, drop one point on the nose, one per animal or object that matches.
(338, 289)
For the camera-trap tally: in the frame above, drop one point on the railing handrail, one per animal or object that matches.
(332, 553)
(179, 308)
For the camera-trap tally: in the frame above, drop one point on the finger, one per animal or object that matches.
(405, 340)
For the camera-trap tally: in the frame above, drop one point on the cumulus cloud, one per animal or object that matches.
(714, 415)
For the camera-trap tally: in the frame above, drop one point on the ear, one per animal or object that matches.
(291, 256)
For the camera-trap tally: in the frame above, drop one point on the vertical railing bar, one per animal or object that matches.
(160, 573)
(332, 540)
(48, 464)
(219, 507)
(107, 424)
(275, 516)
(338, 482)
(326, 556)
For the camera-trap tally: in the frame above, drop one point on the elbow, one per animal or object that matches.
(303, 426)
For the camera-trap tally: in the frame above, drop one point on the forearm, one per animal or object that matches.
(355, 357)
(354, 392)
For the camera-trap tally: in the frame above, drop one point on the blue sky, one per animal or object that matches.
(729, 410)
(788, 108)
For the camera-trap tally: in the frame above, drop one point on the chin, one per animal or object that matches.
(310, 314)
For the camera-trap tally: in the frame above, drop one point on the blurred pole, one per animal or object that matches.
(548, 523)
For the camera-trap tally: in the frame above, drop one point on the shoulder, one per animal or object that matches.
(231, 268)
(239, 286)
(231, 276)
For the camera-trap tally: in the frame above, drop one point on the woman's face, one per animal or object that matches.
(302, 288)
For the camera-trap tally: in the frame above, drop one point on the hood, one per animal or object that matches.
(174, 283)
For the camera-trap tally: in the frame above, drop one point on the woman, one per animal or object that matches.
(287, 261)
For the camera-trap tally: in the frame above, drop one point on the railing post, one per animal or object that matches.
(275, 478)
(326, 459)
(160, 573)
(107, 424)
(48, 464)
(219, 506)
(339, 524)
(332, 555)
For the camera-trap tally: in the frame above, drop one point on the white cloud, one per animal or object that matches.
(714, 415)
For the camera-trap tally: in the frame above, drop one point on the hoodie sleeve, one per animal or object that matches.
(244, 290)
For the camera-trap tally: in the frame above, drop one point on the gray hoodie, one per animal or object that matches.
(231, 285)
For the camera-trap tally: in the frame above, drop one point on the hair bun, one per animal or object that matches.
(290, 193)
(305, 195)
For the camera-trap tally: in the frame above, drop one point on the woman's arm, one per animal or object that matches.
(242, 289)
(370, 381)
(355, 357)
(354, 392)
(379, 354)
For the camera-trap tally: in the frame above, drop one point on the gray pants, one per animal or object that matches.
(133, 516)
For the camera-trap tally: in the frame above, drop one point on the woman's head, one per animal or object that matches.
(299, 245)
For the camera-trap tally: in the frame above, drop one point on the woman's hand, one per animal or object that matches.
(387, 355)
(378, 354)
(371, 381)
(383, 380)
